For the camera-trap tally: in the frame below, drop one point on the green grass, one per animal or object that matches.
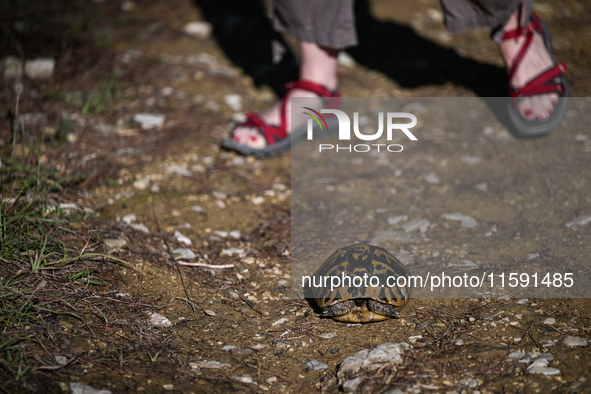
(36, 253)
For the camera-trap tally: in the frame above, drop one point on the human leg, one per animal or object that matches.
(509, 16)
(322, 27)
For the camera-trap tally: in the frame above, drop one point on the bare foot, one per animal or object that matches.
(251, 137)
(535, 61)
(318, 65)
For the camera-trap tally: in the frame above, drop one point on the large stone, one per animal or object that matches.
(367, 360)
(40, 68)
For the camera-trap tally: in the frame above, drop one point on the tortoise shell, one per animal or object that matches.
(362, 298)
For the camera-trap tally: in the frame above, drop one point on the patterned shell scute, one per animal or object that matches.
(360, 260)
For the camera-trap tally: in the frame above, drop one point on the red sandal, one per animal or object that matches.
(277, 138)
(543, 83)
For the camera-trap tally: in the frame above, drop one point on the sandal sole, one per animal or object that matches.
(536, 128)
(278, 147)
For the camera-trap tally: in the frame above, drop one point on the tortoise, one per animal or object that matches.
(370, 302)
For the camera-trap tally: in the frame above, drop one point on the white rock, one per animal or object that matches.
(271, 379)
(280, 321)
(140, 227)
(232, 251)
(83, 388)
(533, 256)
(327, 335)
(351, 385)
(113, 243)
(157, 319)
(141, 184)
(198, 29)
(345, 59)
(432, 178)
(550, 320)
(416, 224)
(522, 301)
(470, 159)
(234, 101)
(483, 187)
(235, 234)
(198, 209)
(149, 121)
(575, 341)
(465, 220)
(40, 68)
(547, 356)
(258, 200)
(228, 348)
(371, 359)
(128, 219)
(579, 221)
(392, 220)
(516, 355)
(543, 370)
(182, 238)
(12, 67)
(469, 382)
(315, 365)
(244, 379)
(176, 170)
(186, 254)
(61, 359)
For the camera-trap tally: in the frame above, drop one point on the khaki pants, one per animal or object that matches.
(331, 23)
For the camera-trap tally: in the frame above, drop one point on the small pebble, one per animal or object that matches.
(550, 320)
(280, 321)
(40, 68)
(182, 238)
(186, 254)
(149, 121)
(157, 319)
(465, 220)
(233, 101)
(315, 365)
(208, 312)
(575, 341)
(244, 379)
(232, 251)
(200, 30)
(112, 243)
(579, 221)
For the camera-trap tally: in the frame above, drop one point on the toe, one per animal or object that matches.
(526, 109)
(249, 137)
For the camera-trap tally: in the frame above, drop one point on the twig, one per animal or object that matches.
(182, 299)
(214, 266)
(253, 306)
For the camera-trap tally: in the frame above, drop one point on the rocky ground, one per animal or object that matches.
(185, 249)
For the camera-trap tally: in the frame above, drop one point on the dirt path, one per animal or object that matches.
(167, 193)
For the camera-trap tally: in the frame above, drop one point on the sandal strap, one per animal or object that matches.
(317, 89)
(543, 82)
(276, 133)
(271, 133)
